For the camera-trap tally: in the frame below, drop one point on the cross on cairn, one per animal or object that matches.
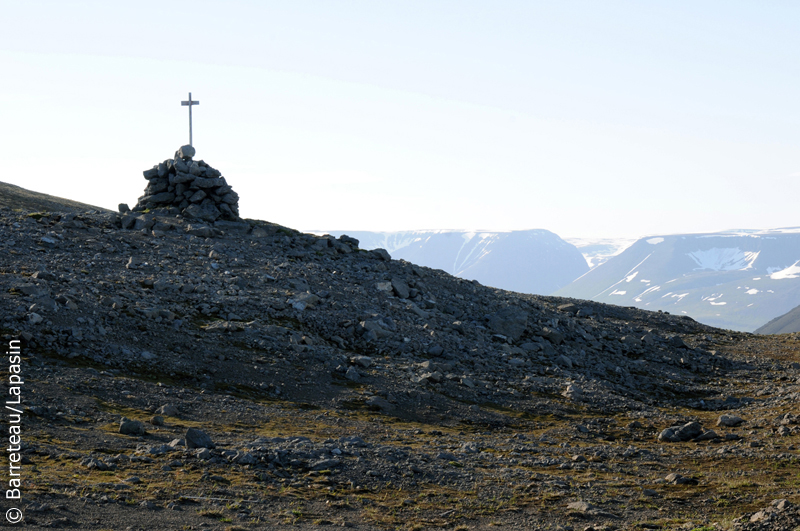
(190, 103)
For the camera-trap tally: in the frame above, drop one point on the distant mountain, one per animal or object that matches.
(526, 261)
(598, 251)
(734, 279)
(15, 197)
(783, 324)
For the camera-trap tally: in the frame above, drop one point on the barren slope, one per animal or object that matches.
(343, 388)
(18, 198)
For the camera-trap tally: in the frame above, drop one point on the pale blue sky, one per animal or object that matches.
(590, 119)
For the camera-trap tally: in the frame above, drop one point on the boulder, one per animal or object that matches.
(344, 238)
(687, 432)
(131, 427)
(91, 463)
(510, 322)
(202, 182)
(168, 410)
(553, 336)
(196, 170)
(667, 435)
(377, 403)
(707, 436)
(182, 178)
(729, 421)
(162, 197)
(677, 342)
(197, 196)
(197, 439)
(564, 361)
(204, 212)
(581, 506)
(363, 361)
(244, 458)
(185, 152)
(572, 392)
(400, 288)
(352, 374)
(381, 254)
(180, 166)
(677, 479)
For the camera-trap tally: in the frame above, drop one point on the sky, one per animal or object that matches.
(590, 119)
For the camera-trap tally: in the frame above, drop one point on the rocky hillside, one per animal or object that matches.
(243, 375)
(526, 261)
(737, 280)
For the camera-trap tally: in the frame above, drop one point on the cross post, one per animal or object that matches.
(189, 104)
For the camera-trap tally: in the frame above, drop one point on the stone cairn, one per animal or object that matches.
(190, 188)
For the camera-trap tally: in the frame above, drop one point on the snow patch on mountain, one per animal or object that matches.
(671, 295)
(725, 259)
(793, 271)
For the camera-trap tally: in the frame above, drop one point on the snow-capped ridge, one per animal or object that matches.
(738, 279)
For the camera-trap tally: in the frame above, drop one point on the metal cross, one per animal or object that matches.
(190, 103)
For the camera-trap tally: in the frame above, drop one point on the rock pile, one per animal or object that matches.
(691, 431)
(190, 188)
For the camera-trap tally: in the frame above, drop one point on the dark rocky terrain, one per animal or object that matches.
(333, 386)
